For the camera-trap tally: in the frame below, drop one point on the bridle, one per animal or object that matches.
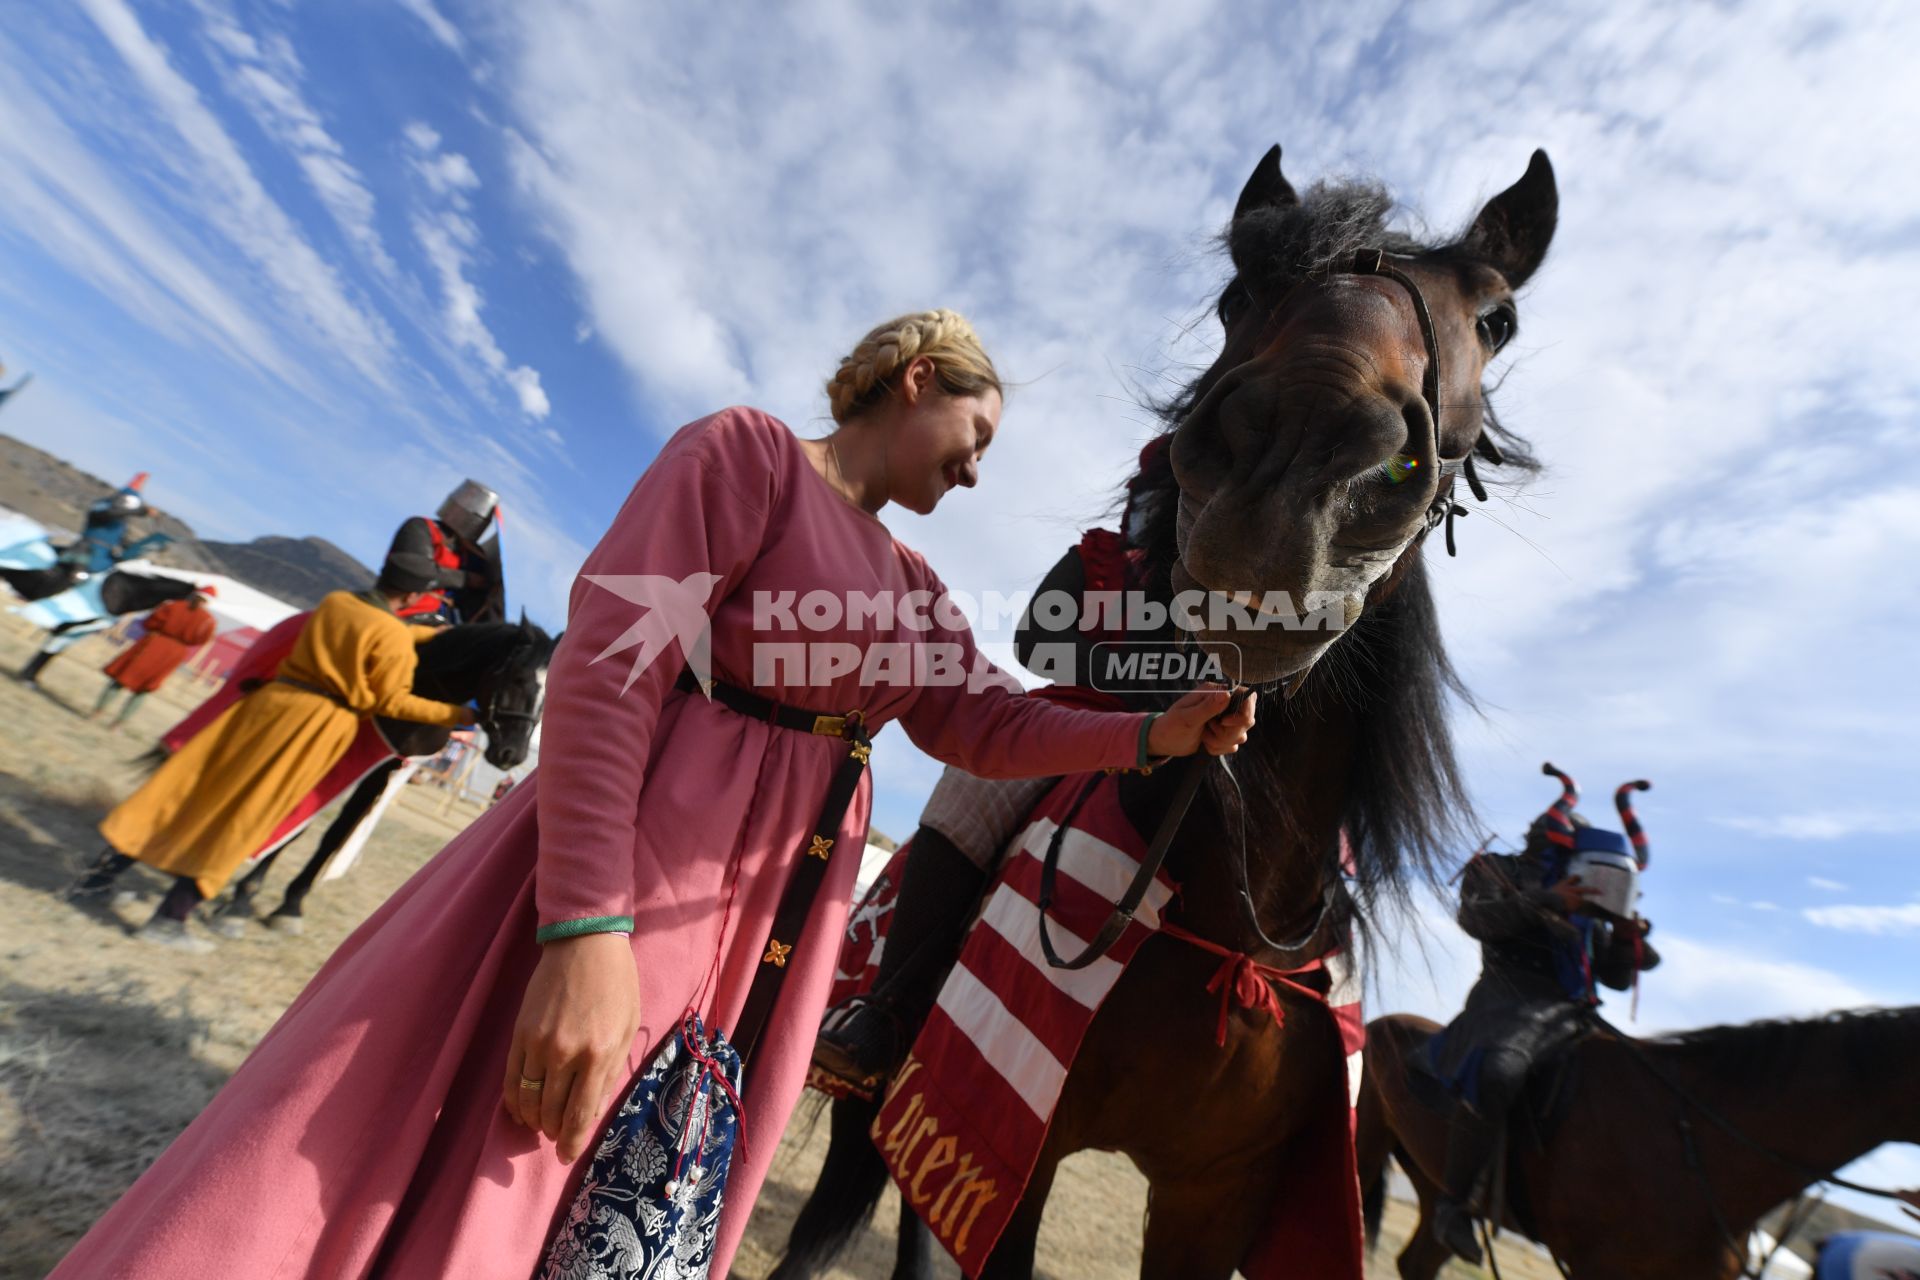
(1321, 931)
(492, 714)
(1373, 262)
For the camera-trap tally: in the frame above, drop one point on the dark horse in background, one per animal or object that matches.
(1315, 455)
(118, 593)
(1663, 1168)
(500, 667)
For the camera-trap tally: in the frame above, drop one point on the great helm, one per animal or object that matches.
(469, 509)
(1604, 860)
(128, 502)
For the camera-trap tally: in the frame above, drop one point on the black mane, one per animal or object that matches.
(470, 650)
(1774, 1046)
(1408, 812)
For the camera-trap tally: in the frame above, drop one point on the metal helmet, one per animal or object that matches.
(468, 509)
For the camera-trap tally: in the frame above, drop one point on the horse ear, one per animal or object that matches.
(1267, 188)
(1514, 229)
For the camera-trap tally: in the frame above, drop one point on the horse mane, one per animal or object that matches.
(1408, 812)
(478, 646)
(1772, 1047)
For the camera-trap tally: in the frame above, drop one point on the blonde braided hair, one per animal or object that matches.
(867, 376)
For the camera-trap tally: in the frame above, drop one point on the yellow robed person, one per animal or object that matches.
(220, 797)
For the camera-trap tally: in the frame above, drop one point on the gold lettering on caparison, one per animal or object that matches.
(896, 1137)
(939, 1156)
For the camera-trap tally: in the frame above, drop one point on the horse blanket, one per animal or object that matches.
(965, 1117)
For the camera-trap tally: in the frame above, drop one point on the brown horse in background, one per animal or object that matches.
(1661, 1156)
(1313, 457)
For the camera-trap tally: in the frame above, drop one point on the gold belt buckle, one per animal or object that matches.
(830, 726)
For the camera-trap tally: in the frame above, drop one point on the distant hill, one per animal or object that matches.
(296, 570)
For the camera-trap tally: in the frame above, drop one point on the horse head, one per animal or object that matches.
(1323, 443)
(510, 694)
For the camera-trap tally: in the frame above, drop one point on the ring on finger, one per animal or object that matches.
(532, 1086)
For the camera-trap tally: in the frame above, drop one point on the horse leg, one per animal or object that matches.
(844, 1195)
(1200, 1229)
(364, 797)
(913, 1249)
(1012, 1256)
(30, 673)
(230, 920)
(1425, 1254)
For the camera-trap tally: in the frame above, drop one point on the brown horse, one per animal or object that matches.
(1313, 456)
(1660, 1156)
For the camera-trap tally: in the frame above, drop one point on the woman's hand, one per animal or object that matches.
(570, 1043)
(1196, 721)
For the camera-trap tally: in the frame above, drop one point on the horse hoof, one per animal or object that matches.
(293, 925)
(229, 926)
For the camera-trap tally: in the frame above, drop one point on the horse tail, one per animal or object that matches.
(844, 1196)
(1373, 1203)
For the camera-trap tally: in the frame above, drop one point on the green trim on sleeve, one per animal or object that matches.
(1146, 727)
(591, 924)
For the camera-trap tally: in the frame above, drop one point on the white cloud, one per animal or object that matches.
(437, 24)
(265, 76)
(450, 241)
(1821, 882)
(63, 199)
(1825, 825)
(1868, 920)
(232, 199)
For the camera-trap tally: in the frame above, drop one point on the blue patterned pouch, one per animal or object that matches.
(650, 1205)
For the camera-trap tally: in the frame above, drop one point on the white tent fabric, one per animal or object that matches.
(235, 604)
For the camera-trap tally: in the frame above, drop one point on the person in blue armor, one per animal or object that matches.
(106, 540)
(1555, 922)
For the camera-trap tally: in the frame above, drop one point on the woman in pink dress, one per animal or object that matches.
(426, 1106)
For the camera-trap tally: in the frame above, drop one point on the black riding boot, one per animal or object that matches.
(939, 889)
(35, 665)
(98, 884)
(1470, 1149)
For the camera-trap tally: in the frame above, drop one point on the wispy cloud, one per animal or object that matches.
(1827, 825)
(450, 241)
(1869, 920)
(61, 197)
(437, 24)
(264, 73)
(233, 199)
(1831, 886)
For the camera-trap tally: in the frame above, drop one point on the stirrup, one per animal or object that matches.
(851, 1050)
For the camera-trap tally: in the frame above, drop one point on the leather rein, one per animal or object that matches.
(1314, 940)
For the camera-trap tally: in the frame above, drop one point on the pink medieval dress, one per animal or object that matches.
(365, 1134)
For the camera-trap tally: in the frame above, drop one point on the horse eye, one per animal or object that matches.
(1498, 326)
(1233, 303)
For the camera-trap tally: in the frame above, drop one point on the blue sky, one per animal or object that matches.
(312, 264)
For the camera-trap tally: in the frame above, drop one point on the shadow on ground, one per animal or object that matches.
(66, 1060)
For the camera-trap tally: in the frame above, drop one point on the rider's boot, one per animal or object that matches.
(1470, 1141)
(30, 673)
(939, 888)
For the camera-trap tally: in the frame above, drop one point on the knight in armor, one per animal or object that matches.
(455, 539)
(105, 540)
(1555, 922)
(968, 821)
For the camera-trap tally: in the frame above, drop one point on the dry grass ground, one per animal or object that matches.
(109, 1047)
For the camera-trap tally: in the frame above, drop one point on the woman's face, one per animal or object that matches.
(938, 441)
